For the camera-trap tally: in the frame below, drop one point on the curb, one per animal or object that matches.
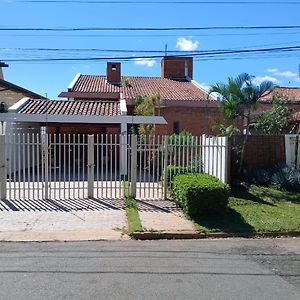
(214, 235)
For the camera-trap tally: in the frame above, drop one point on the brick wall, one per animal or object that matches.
(263, 150)
(197, 120)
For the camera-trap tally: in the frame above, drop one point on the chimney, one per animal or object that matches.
(113, 73)
(177, 68)
(2, 65)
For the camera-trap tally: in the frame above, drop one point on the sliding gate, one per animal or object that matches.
(63, 166)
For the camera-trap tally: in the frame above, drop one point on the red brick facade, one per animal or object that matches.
(197, 120)
(262, 150)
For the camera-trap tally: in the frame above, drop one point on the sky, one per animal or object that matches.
(51, 77)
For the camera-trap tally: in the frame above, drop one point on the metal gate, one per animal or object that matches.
(79, 166)
(62, 166)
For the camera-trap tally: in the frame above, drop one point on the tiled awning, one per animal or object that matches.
(71, 107)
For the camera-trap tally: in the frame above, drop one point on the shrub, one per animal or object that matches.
(280, 176)
(172, 171)
(198, 193)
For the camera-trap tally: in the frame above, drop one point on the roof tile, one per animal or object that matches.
(72, 107)
(142, 86)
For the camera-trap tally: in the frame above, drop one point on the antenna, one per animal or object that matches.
(166, 49)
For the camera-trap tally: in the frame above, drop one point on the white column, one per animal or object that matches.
(91, 166)
(133, 165)
(2, 168)
(123, 150)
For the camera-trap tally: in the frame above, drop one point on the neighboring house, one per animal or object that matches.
(292, 94)
(11, 93)
(185, 105)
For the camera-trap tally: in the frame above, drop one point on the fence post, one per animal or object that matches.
(133, 165)
(46, 160)
(2, 168)
(165, 184)
(227, 160)
(91, 166)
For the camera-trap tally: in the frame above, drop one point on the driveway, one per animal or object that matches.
(73, 219)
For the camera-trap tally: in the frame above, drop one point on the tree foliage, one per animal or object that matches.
(274, 120)
(239, 97)
(145, 106)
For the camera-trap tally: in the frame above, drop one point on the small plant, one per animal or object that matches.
(199, 193)
(280, 176)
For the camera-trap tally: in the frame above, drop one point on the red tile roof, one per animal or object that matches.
(291, 93)
(71, 107)
(142, 86)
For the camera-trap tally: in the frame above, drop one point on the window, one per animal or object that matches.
(176, 128)
(113, 67)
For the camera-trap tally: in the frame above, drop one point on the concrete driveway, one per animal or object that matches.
(69, 220)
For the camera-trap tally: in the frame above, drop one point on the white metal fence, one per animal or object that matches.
(78, 166)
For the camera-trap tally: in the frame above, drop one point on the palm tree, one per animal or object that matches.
(239, 97)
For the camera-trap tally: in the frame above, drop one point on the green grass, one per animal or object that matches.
(133, 218)
(257, 209)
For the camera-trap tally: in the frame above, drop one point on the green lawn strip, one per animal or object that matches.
(133, 218)
(257, 209)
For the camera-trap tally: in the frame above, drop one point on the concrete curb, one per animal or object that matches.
(213, 235)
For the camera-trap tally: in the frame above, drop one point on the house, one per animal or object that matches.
(11, 93)
(184, 103)
(292, 95)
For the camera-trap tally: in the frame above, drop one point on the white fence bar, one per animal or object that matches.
(133, 171)
(292, 150)
(91, 166)
(2, 168)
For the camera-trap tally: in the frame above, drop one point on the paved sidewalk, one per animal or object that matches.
(68, 220)
(164, 216)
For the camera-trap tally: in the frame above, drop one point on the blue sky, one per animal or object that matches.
(53, 77)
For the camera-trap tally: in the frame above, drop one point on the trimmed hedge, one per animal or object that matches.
(199, 193)
(172, 171)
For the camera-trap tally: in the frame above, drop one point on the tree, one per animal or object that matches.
(274, 120)
(238, 98)
(145, 106)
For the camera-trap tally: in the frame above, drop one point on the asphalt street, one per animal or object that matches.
(194, 269)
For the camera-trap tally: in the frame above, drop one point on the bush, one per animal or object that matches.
(280, 176)
(199, 193)
(172, 171)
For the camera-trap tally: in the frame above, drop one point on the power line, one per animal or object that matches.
(150, 28)
(38, 49)
(163, 2)
(204, 53)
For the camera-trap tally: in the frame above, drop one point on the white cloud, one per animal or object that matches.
(186, 44)
(272, 70)
(149, 62)
(259, 79)
(285, 74)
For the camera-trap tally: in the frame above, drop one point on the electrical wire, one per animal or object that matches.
(204, 53)
(162, 2)
(285, 27)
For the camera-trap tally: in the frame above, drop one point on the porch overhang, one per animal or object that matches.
(43, 118)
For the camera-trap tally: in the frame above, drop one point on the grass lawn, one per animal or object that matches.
(257, 209)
